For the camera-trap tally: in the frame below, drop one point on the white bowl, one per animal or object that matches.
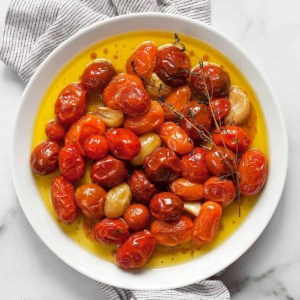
(101, 270)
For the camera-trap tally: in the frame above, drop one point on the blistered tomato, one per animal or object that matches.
(220, 107)
(187, 190)
(137, 216)
(55, 131)
(95, 147)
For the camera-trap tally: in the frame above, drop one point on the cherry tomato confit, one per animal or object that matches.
(167, 146)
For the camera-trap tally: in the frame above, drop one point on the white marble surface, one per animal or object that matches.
(270, 31)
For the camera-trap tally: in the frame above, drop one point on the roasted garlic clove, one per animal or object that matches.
(192, 207)
(155, 87)
(111, 117)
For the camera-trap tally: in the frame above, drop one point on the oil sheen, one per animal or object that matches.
(117, 49)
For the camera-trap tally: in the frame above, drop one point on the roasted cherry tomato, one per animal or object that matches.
(162, 165)
(63, 199)
(109, 171)
(194, 167)
(136, 250)
(71, 104)
(123, 143)
(172, 65)
(44, 157)
(220, 191)
(187, 190)
(110, 231)
(220, 107)
(97, 75)
(148, 122)
(90, 198)
(233, 137)
(166, 206)
(141, 187)
(95, 147)
(207, 223)
(55, 131)
(253, 168)
(142, 60)
(172, 233)
(175, 138)
(137, 216)
(210, 79)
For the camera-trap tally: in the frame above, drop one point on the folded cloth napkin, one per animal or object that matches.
(34, 28)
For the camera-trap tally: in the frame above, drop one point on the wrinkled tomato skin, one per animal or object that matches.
(97, 75)
(207, 223)
(148, 122)
(194, 166)
(90, 198)
(142, 60)
(172, 65)
(55, 131)
(136, 250)
(220, 191)
(95, 147)
(63, 200)
(253, 169)
(141, 187)
(137, 216)
(220, 107)
(187, 190)
(44, 157)
(166, 207)
(235, 138)
(71, 104)
(110, 231)
(175, 138)
(162, 165)
(172, 233)
(109, 171)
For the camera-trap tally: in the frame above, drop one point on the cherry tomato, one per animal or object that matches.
(253, 168)
(197, 115)
(172, 65)
(234, 137)
(221, 161)
(220, 191)
(207, 223)
(136, 250)
(148, 122)
(71, 104)
(110, 231)
(220, 107)
(194, 167)
(172, 233)
(187, 190)
(109, 171)
(63, 199)
(71, 163)
(166, 206)
(44, 157)
(162, 165)
(137, 216)
(95, 147)
(210, 79)
(90, 198)
(97, 75)
(141, 187)
(55, 131)
(142, 60)
(175, 138)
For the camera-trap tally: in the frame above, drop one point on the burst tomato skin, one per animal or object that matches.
(136, 250)
(220, 107)
(63, 200)
(55, 131)
(187, 190)
(253, 168)
(137, 216)
(95, 147)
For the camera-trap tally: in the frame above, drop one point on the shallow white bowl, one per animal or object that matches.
(104, 271)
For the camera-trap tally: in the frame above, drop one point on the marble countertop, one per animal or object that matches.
(270, 31)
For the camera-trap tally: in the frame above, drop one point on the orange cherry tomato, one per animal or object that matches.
(220, 107)
(71, 104)
(95, 147)
(63, 200)
(44, 157)
(55, 131)
(207, 223)
(175, 138)
(194, 166)
(142, 60)
(253, 168)
(90, 198)
(220, 191)
(172, 233)
(110, 231)
(148, 122)
(136, 250)
(187, 190)
(137, 216)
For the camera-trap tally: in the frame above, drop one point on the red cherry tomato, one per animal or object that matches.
(55, 131)
(253, 168)
(95, 147)
(220, 107)
(187, 190)
(137, 216)
(63, 200)
(136, 250)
